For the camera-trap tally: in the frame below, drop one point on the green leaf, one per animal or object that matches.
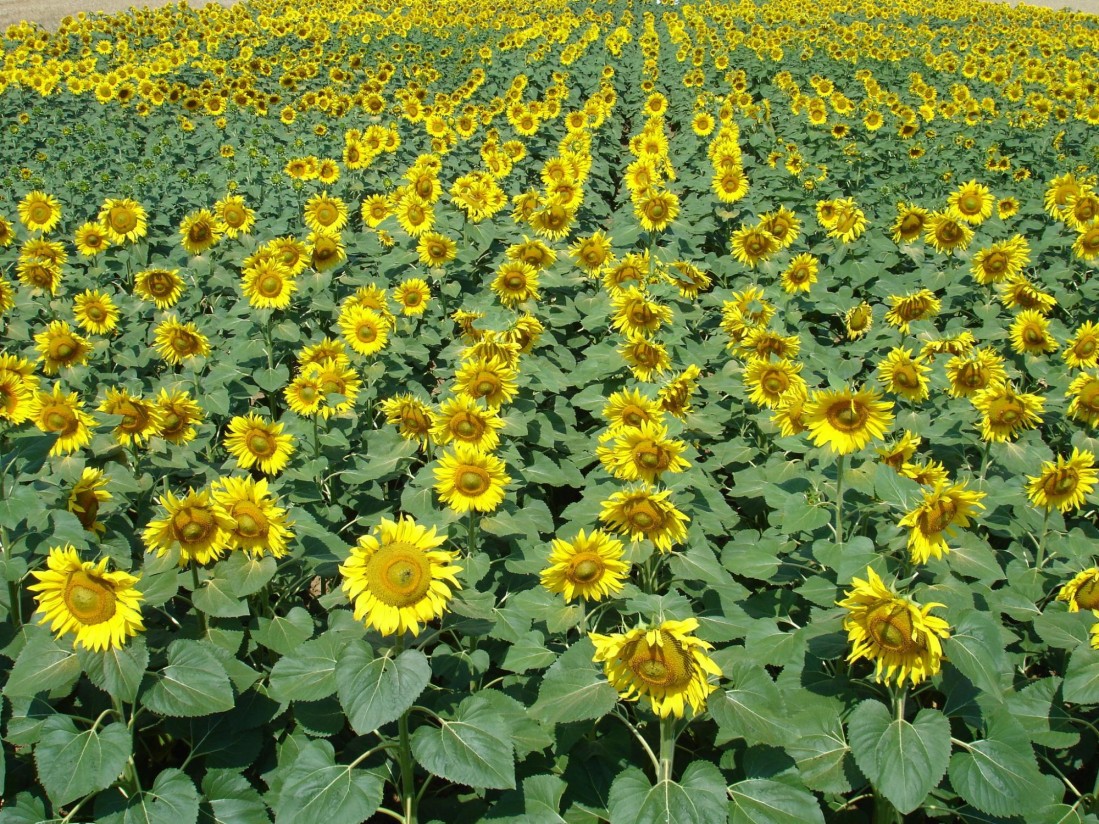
(998, 778)
(27, 809)
(117, 671)
(752, 709)
(284, 634)
(574, 689)
(699, 797)
(474, 748)
(215, 596)
(230, 799)
(1081, 678)
(308, 673)
(317, 789)
(376, 691)
(193, 684)
(172, 799)
(527, 653)
(247, 575)
(763, 801)
(542, 796)
(73, 764)
(821, 757)
(43, 665)
(903, 761)
(975, 648)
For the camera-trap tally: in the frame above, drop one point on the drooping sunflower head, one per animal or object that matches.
(644, 513)
(1006, 412)
(663, 663)
(858, 320)
(410, 415)
(180, 415)
(161, 286)
(200, 231)
(328, 250)
(934, 519)
(398, 579)
(1084, 398)
(86, 496)
(178, 342)
(909, 223)
(140, 418)
(101, 609)
(901, 451)
(469, 479)
(1065, 483)
(899, 635)
(847, 421)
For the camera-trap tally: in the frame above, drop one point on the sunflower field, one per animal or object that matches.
(550, 412)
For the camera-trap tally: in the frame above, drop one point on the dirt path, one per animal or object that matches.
(50, 12)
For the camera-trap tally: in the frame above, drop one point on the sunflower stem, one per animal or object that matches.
(582, 624)
(667, 747)
(194, 589)
(839, 499)
(1039, 557)
(984, 459)
(472, 531)
(408, 778)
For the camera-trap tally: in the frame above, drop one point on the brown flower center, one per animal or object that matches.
(91, 600)
(398, 574)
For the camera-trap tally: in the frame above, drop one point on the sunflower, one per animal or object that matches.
(16, 398)
(646, 358)
(364, 330)
(768, 381)
(629, 409)
(1084, 394)
(468, 479)
(179, 342)
(326, 250)
(235, 216)
(752, 244)
(398, 579)
(656, 209)
(1005, 412)
(1082, 592)
(515, 283)
(414, 214)
(688, 279)
(946, 233)
(332, 349)
(197, 522)
(971, 202)
(1001, 261)
(199, 231)
(179, 416)
(662, 662)
(635, 313)
(140, 418)
(846, 421)
(1064, 484)
(909, 223)
(463, 420)
(39, 212)
(730, 184)
(86, 496)
(410, 415)
(435, 249)
(902, 637)
(783, 225)
(849, 223)
(59, 346)
(255, 441)
(305, 395)
(926, 473)
(970, 373)
(643, 453)
(268, 284)
(789, 414)
(95, 312)
(905, 376)
(941, 509)
(7, 233)
(1020, 293)
(308, 394)
(1030, 334)
(908, 309)
(413, 295)
(63, 415)
(645, 513)
(493, 345)
(37, 273)
(325, 213)
(675, 395)
(858, 320)
(102, 609)
(588, 567)
(553, 219)
(290, 252)
(1007, 207)
(533, 252)
(898, 454)
(1086, 245)
(91, 239)
(488, 379)
(261, 526)
(800, 274)
(1082, 349)
(124, 220)
(525, 332)
(161, 286)
(1059, 191)
(591, 253)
